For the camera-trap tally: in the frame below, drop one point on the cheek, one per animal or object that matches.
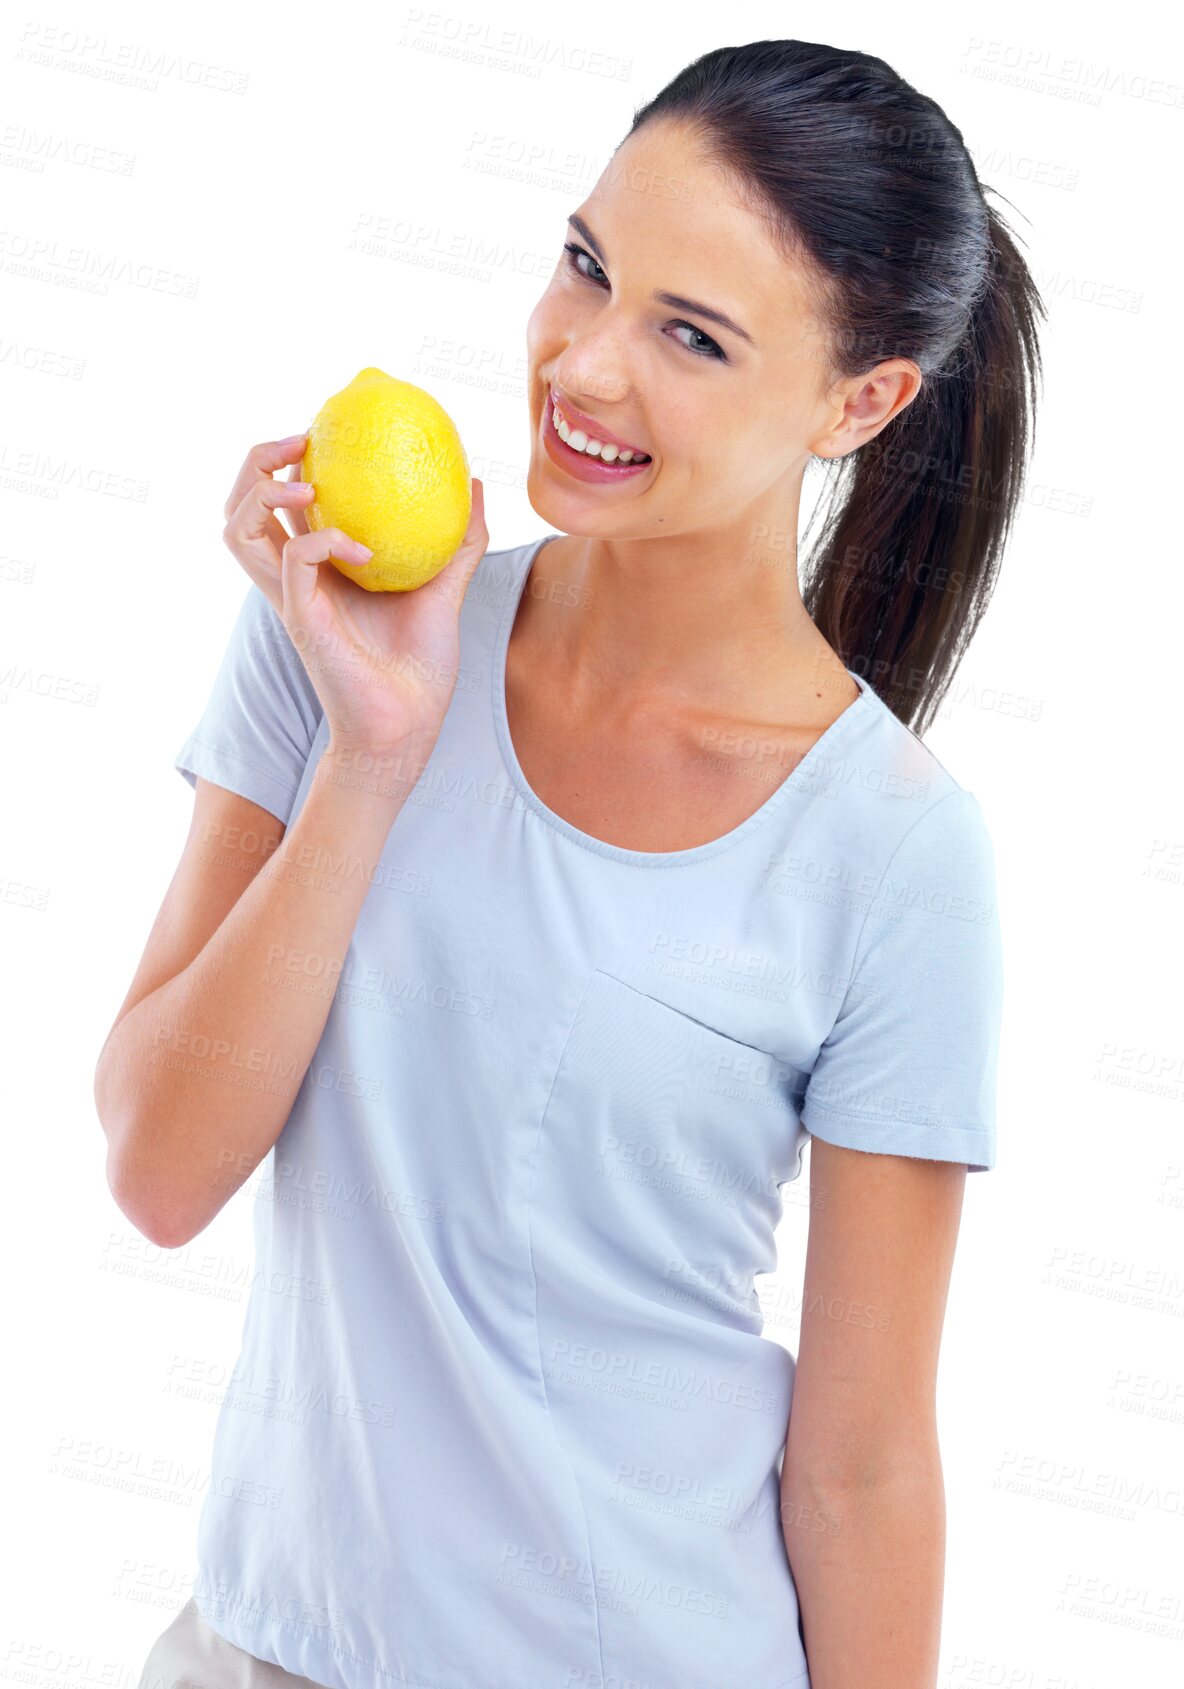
(723, 438)
(727, 451)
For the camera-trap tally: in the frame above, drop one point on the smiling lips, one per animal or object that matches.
(583, 434)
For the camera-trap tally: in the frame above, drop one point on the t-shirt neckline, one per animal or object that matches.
(619, 853)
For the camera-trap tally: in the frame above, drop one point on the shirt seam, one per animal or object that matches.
(861, 1117)
(331, 1648)
(269, 774)
(856, 956)
(342, 1654)
(534, 1285)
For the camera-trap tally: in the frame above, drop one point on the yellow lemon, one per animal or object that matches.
(388, 468)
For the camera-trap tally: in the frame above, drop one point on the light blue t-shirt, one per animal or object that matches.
(504, 1416)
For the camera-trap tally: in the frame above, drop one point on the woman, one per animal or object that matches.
(538, 916)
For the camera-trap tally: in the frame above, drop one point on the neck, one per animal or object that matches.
(711, 620)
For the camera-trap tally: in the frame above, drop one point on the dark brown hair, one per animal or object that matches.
(870, 183)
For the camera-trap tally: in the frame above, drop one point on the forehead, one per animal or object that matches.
(669, 217)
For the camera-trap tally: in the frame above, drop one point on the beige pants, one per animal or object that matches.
(189, 1654)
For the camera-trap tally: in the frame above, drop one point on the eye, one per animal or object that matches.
(711, 350)
(577, 252)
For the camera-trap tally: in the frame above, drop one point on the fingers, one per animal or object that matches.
(261, 461)
(293, 495)
(254, 532)
(297, 521)
(299, 562)
(255, 525)
(253, 522)
(453, 580)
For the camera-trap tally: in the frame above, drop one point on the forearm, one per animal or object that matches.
(199, 1078)
(868, 1562)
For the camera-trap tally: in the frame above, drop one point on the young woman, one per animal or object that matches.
(534, 919)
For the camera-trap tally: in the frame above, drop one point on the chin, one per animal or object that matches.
(568, 513)
(540, 504)
(549, 505)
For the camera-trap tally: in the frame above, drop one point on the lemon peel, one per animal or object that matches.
(388, 468)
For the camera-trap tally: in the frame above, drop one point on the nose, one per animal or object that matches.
(593, 368)
(596, 393)
(587, 382)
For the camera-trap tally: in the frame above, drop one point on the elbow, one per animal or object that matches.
(140, 1205)
(135, 1191)
(884, 1464)
(132, 1194)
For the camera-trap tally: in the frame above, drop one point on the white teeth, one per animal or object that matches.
(579, 442)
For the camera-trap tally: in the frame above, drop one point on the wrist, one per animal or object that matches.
(389, 770)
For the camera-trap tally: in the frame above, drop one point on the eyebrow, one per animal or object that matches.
(675, 299)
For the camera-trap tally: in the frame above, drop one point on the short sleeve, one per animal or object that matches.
(256, 732)
(910, 1065)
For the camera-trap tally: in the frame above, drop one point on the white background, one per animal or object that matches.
(160, 318)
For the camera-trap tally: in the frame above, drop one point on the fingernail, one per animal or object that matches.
(293, 439)
(366, 551)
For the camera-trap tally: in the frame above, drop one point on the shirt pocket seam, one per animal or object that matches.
(685, 1015)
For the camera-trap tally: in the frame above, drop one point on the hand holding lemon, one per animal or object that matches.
(379, 637)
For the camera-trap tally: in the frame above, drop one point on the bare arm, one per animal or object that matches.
(198, 1075)
(208, 1008)
(862, 1496)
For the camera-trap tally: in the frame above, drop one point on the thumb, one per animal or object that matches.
(454, 578)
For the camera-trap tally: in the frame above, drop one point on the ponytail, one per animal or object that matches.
(914, 531)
